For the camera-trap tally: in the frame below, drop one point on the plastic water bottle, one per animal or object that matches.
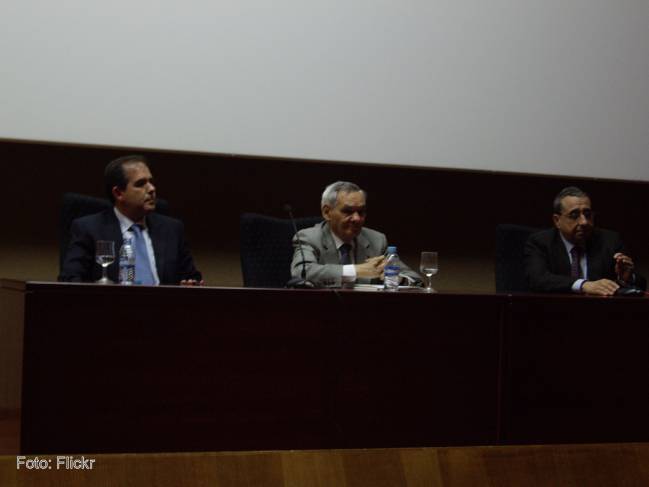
(391, 270)
(127, 263)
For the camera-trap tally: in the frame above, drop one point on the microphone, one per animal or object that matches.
(410, 280)
(298, 282)
(625, 289)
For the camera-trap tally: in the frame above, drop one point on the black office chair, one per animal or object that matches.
(266, 248)
(76, 205)
(510, 269)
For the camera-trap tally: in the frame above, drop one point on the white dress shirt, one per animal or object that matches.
(125, 223)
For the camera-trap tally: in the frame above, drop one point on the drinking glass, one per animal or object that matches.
(105, 256)
(428, 266)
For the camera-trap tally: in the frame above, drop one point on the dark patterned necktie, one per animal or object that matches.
(575, 266)
(345, 256)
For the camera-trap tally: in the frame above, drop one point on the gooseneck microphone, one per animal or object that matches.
(298, 282)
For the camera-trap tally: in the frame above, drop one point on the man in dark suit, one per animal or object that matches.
(162, 256)
(575, 256)
(341, 250)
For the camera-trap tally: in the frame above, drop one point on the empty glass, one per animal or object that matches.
(428, 266)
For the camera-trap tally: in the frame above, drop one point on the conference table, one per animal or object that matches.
(91, 368)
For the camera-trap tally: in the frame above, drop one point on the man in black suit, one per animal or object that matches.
(575, 256)
(162, 256)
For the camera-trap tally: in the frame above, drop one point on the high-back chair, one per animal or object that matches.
(267, 249)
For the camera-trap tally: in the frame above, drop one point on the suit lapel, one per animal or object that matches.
(593, 249)
(362, 249)
(330, 254)
(114, 230)
(158, 243)
(560, 255)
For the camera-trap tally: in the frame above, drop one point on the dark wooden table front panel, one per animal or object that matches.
(576, 369)
(418, 369)
(168, 369)
(113, 369)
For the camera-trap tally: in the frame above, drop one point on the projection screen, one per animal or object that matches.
(530, 86)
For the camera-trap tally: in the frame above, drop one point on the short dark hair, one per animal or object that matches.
(568, 191)
(114, 174)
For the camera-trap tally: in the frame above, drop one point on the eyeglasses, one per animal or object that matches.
(349, 211)
(575, 214)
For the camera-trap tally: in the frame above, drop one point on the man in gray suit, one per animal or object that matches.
(340, 251)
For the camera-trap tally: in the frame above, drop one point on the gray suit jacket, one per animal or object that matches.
(323, 261)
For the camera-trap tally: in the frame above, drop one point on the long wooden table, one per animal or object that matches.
(90, 368)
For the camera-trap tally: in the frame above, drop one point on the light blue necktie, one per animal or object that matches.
(143, 274)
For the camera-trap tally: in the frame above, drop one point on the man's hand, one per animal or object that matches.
(371, 268)
(192, 282)
(623, 267)
(603, 287)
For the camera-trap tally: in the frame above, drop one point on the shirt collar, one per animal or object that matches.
(125, 223)
(568, 244)
(339, 242)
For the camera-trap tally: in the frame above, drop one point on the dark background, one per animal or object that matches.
(452, 211)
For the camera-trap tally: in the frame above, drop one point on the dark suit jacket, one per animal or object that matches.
(547, 264)
(173, 260)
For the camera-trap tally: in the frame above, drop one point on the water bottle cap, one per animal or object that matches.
(392, 249)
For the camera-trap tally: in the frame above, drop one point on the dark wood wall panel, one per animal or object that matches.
(451, 211)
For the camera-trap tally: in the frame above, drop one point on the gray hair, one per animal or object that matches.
(569, 191)
(330, 194)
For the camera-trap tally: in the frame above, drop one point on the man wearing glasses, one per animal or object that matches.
(575, 256)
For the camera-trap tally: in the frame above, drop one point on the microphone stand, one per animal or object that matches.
(298, 282)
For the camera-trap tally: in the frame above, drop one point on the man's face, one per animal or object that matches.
(139, 197)
(576, 219)
(347, 218)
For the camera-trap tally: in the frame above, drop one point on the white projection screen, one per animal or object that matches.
(529, 86)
